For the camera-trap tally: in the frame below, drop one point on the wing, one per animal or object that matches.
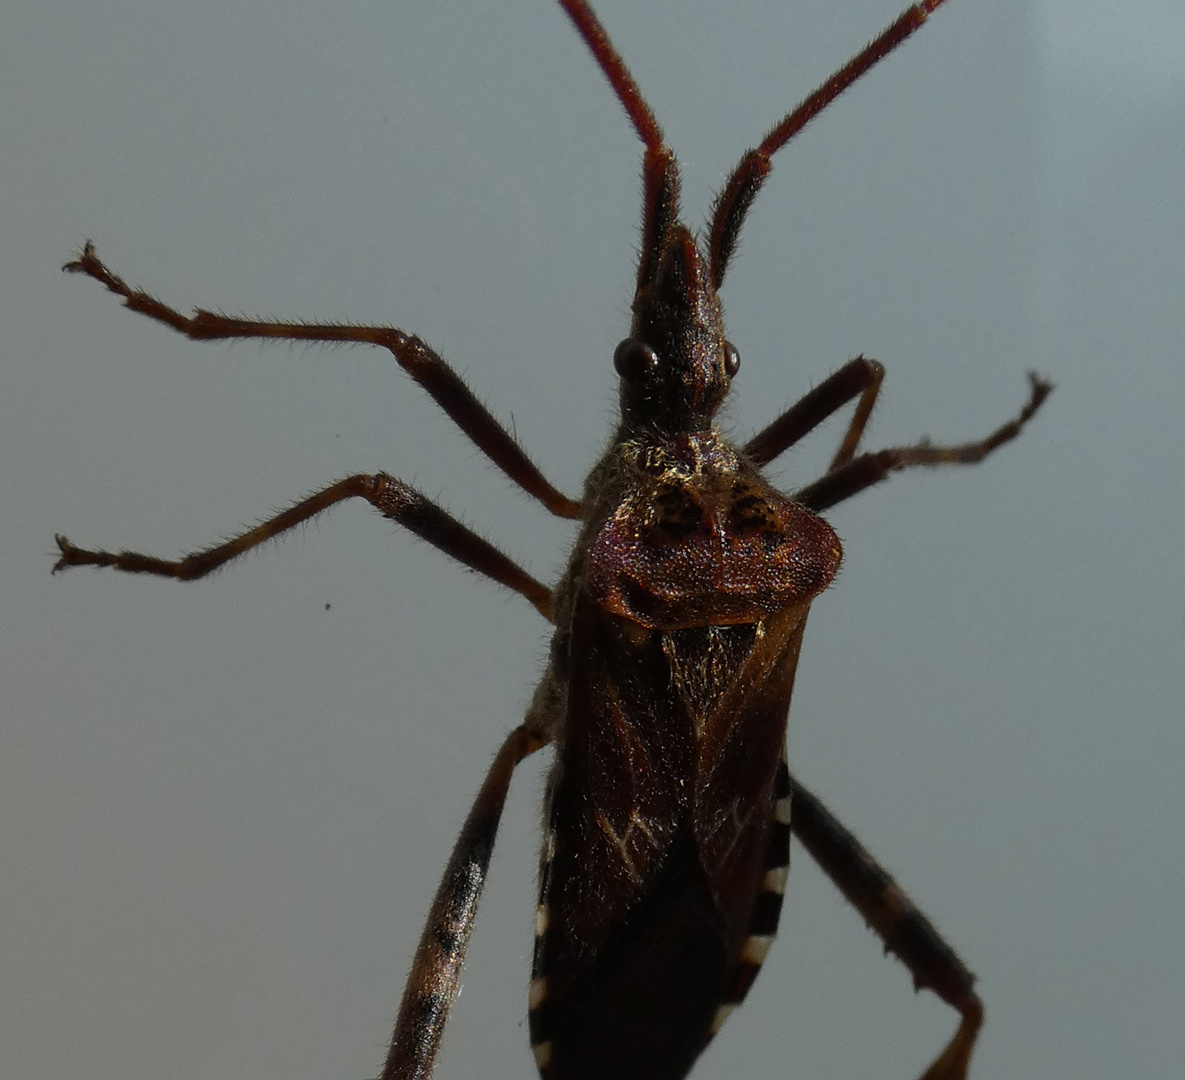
(660, 828)
(684, 639)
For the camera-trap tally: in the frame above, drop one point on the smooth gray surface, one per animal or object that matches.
(225, 806)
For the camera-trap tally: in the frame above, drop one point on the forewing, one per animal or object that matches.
(627, 751)
(739, 750)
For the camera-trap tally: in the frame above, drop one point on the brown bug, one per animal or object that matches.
(677, 629)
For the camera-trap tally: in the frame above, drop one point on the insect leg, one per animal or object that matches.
(868, 469)
(392, 498)
(436, 970)
(905, 931)
(428, 369)
(860, 376)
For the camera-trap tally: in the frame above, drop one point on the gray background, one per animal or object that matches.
(225, 807)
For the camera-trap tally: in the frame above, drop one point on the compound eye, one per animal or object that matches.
(732, 359)
(634, 360)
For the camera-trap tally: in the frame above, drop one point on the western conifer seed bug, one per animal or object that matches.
(677, 624)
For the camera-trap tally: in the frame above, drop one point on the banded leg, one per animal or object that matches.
(436, 970)
(905, 931)
(392, 498)
(849, 479)
(428, 369)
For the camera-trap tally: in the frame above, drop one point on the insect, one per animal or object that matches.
(677, 627)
